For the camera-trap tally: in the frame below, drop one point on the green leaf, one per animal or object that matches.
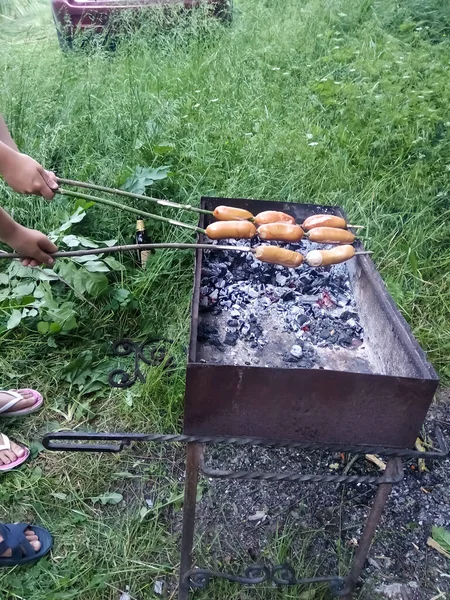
(46, 275)
(78, 369)
(84, 204)
(114, 264)
(442, 537)
(36, 448)
(43, 327)
(108, 498)
(71, 240)
(14, 319)
(4, 279)
(55, 328)
(59, 495)
(163, 149)
(96, 266)
(51, 343)
(97, 284)
(64, 315)
(413, 261)
(86, 242)
(68, 271)
(109, 243)
(144, 177)
(85, 258)
(24, 289)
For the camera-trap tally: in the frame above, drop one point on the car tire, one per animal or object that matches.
(64, 38)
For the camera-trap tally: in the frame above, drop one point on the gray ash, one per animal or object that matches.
(286, 317)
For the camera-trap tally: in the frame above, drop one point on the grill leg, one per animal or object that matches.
(193, 451)
(383, 491)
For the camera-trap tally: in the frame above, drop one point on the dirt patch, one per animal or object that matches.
(260, 522)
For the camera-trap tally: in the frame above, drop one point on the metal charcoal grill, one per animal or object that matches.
(378, 408)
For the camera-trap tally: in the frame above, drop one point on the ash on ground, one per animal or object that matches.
(316, 528)
(254, 313)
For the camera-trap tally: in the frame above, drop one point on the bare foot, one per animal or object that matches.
(9, 456)
(31, 537)
(28, 400)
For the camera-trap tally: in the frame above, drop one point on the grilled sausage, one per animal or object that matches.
(279, 256)
(285, 232)
(231, 229)
(324, 221)
(229, 213)
(273, 216)
(323, 258)
(331, 235)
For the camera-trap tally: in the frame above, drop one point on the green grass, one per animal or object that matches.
(312, 101)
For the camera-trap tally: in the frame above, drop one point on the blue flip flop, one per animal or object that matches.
(23, 553)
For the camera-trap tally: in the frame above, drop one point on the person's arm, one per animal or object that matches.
(24, 175)
(28, 242)
(20, 171)
(5, 136)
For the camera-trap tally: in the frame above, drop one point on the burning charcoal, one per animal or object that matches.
(245, 329)
(205, 331)
(346, 315)
(214, 295)
(342, 300)
(344, 339)
(231, 337)
(280, 279)
(334, 337)
(296, 351)
(302, 320)
(288, 296)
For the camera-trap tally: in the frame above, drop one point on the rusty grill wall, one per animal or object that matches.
(385, 408)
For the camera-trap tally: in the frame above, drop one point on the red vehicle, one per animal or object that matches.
(94, 15)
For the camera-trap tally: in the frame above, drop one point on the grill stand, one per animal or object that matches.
(190, 578)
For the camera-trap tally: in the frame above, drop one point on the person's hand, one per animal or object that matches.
(34, 245)
(27, 176)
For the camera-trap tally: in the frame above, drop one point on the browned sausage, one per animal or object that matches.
(231, 229)
(279, 256)
(324, 221)
(273, 216)
(331, 235)
(284, 232)
(323, 258)
(229, 213)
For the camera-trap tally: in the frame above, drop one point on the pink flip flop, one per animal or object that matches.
(5, 444)
(16, 397)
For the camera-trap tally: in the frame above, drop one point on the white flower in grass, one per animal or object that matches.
(275, 68)
(313, 144)
(309, 136)
(196, 105)
(215, 100)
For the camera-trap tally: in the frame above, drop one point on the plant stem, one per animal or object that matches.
(130, 209)
(132, 248)
(101, 188)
